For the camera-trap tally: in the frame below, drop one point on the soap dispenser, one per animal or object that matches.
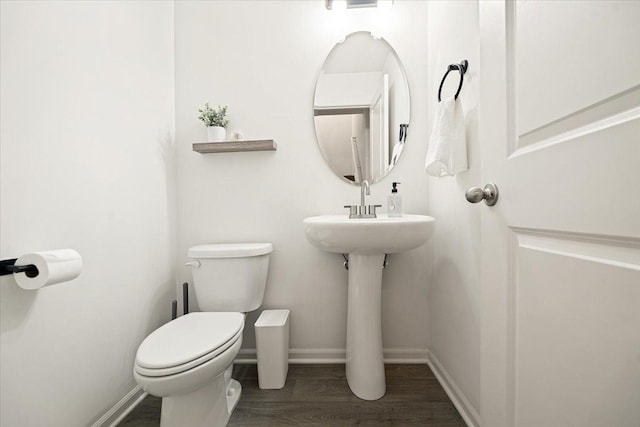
(394, 202)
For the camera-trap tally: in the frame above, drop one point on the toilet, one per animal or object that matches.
(188, 362)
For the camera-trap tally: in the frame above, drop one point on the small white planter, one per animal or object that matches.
(216, 133)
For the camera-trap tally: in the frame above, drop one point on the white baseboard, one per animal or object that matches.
(337, 355)
(460, 401)
(120, 410)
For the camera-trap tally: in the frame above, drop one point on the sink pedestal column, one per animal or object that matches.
(365, 364)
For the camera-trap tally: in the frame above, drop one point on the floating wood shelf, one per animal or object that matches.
(230, 146)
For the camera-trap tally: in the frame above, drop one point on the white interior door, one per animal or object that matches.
(560, 135)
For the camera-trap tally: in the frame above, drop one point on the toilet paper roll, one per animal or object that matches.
(56, 266)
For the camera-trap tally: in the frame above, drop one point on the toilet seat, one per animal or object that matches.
(188, 342)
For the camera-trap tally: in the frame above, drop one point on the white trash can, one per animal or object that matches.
(272, 346)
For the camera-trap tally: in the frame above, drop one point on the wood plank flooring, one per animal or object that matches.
(318, 395)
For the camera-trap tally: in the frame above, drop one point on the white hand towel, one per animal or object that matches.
(447, 153)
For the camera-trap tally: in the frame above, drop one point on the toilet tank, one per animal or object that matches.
(230, 276)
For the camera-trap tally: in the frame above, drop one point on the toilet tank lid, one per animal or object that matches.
(230, 250)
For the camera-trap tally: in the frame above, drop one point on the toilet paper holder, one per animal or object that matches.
(8, 266)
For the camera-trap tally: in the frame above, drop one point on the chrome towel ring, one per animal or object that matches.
(462, 68)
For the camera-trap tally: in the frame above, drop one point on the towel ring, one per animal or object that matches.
(462, 68)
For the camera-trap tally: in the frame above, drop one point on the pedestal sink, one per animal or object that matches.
(366, 241)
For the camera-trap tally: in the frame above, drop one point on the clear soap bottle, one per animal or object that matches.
(394, 202)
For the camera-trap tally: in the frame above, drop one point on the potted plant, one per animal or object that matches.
(215, 119)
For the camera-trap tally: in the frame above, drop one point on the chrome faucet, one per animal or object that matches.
(364, 187)
(363, 211)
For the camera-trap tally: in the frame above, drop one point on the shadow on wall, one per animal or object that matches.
(167, 154)
(452, 282)
(473, 145)
(160, 310)
(15, 303)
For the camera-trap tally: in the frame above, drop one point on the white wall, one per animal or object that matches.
(86, 143)
(454, 289)
(347, 89)
(263, 59)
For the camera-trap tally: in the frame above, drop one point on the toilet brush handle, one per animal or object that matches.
(185, 298)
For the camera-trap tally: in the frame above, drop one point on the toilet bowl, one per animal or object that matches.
(188, 361)
(184, 362)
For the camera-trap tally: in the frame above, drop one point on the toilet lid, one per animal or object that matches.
(229, 250)
(188, 338)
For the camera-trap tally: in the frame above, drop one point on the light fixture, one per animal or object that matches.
(353, 4)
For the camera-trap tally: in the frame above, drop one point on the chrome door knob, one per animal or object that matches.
(489, 194)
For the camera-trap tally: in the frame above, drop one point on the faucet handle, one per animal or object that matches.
(371, 209)
(353, 210)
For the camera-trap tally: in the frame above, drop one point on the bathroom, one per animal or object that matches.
(525, 312)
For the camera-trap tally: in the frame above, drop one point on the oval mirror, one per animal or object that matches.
(361, 108)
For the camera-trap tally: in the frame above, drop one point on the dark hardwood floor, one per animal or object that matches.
(318, 395)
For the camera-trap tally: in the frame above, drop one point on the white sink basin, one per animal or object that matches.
(368, 236)
(366, 241)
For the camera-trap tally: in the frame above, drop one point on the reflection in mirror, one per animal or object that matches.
(361, 108)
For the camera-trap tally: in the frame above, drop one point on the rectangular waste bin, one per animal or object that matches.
(272, 346)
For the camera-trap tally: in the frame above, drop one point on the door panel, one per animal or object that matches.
(585, 184)
(571, 55)
(560, 135)
(575, 331)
